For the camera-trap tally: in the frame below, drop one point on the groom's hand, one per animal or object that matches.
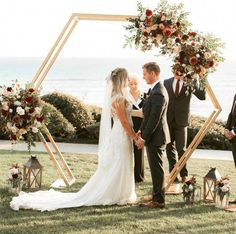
(140, 143)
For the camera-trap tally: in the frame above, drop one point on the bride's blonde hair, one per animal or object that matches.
(119, 78)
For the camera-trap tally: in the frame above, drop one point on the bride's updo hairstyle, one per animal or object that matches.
(119, 79)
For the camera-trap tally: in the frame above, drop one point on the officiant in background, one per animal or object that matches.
(137, 100)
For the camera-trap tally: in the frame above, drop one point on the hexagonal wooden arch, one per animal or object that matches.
(59, 162)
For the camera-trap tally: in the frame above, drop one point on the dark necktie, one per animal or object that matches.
(177, 88)
(149, 91)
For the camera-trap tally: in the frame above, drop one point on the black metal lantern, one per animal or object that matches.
(32, 173)
(209, 185)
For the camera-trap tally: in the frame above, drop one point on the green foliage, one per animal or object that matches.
(214, 139)
(56, 123)
(72, 109)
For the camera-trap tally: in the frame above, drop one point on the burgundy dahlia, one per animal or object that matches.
(193, 61)
(29, 99)
(148, 13)
(167, 32)
(5, 113)
(192, 34)
(31, 110)
(40, 119)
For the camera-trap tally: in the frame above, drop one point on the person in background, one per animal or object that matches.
(230, 129)
(178, 116)
(230, 132)
(137, 101)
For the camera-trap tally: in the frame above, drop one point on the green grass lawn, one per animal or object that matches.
(175, 218)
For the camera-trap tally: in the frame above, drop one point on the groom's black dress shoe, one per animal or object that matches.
(153, 205)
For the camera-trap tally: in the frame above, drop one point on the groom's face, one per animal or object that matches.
(148, 76)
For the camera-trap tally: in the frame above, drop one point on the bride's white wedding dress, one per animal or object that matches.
(112, 183)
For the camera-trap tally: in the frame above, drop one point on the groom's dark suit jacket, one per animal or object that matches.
(179, 107)
(154, 127)
(231, 122)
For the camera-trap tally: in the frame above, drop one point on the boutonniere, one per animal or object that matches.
(144, 96)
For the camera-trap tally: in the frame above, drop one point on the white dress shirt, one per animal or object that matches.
(180, 84)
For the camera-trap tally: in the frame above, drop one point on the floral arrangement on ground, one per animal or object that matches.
(167, 28)
(188, 189)
(20, 111)
(15, 176)
(222, 187)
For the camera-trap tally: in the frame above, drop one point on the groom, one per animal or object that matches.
(154, 133)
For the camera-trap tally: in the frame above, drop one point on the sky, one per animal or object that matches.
(29, 28)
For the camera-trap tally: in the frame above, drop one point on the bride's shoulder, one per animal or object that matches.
(118, 99)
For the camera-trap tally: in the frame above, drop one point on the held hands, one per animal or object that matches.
(139, 142)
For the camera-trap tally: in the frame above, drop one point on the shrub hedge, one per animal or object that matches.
(56, 123)
(68, 115)
(214, 139)
(72, 109)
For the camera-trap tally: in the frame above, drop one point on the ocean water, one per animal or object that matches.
(84, 78)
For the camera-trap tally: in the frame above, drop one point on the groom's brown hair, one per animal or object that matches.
(152, 66)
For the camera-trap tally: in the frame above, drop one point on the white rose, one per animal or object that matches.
(224, 189)
(142, 17)
(37, 124)
(169, 40)
(148, 30)
(13, 171)
(207, 55)
(17, 103)
(20, 110)
(37, 110)
(159, 37)
(9, 125)
(163, 18)
(143, 39)
(14, 129)
(5, 106)
(22, 131)
(153, 27)
(190, 187)
(34, 130)
(196, 76)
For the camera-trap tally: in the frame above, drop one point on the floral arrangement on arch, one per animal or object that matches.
(20, 111)
(222, 187)
(167, 28)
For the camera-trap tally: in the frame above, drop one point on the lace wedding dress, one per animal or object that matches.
(112, 183)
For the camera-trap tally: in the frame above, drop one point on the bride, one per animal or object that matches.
(113, 181)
